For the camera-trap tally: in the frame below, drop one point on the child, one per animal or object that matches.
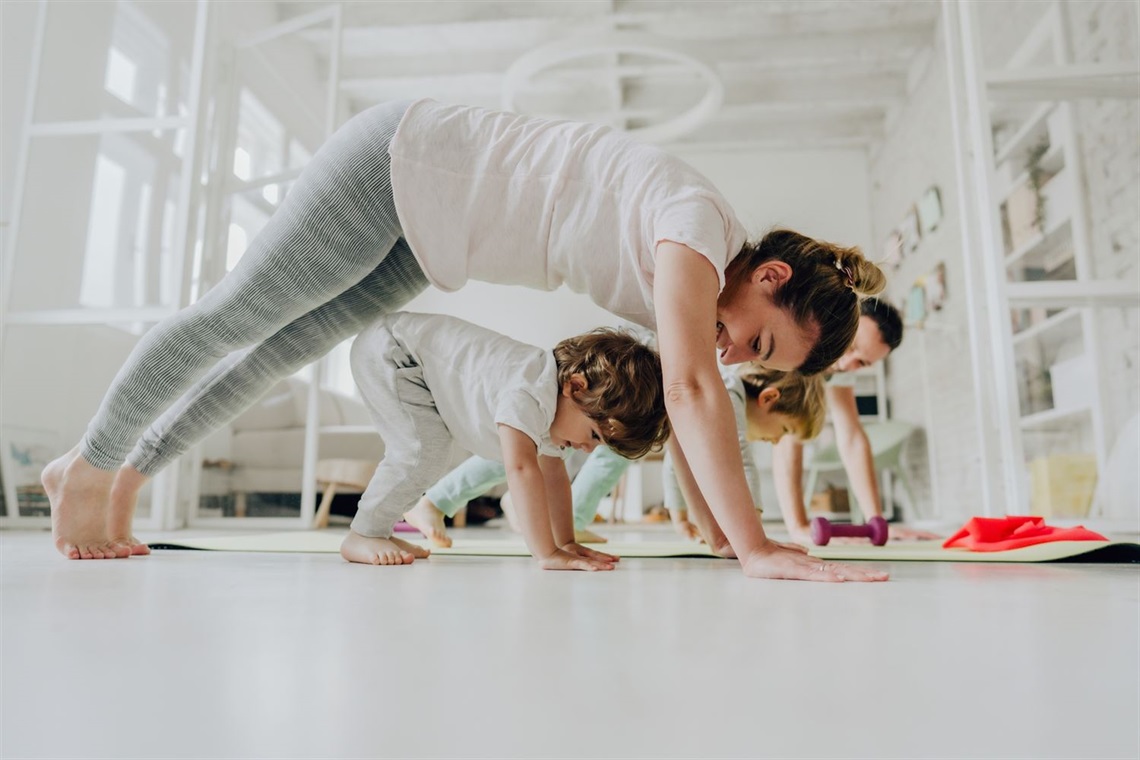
(428, 379)
(769, 405)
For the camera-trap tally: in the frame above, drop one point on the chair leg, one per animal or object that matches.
(321, 518)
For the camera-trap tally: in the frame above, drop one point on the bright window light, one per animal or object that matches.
(120, 77)
(235, 246)
(242, 163)
(98, 286)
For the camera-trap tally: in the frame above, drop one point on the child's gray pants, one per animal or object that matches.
(328, 262)
(417, 443)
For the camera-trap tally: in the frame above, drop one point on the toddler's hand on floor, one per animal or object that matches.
(584, 551)
(564, 560)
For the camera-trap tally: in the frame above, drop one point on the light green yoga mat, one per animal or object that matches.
(920, 551)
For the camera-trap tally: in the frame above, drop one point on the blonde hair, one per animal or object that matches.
(824, 288)
(623, 391)
(801, 396)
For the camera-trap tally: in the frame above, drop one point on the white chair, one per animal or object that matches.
(888, 440)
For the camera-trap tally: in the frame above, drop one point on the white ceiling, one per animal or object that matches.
(795, 73)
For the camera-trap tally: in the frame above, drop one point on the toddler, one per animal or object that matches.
(431, 379)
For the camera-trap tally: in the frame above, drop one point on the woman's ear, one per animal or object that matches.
(773, 273)
(767, 398)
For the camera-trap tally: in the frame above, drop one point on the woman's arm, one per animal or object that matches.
(685, 291)
(788, 473)
(698, 508)
(854, 449)
(685, 295)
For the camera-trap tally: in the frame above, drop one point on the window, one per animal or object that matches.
(120, 77)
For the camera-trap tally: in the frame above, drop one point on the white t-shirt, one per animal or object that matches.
(480, 379)
(517, 200)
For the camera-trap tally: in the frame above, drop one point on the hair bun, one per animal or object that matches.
(863, 277)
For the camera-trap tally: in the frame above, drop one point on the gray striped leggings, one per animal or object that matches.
(330, 261)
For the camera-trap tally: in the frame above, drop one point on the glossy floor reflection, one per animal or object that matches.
(202, 654)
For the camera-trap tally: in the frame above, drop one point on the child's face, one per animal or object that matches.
(769, 426)
(571, 427)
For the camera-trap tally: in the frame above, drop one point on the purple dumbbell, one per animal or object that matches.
(822, 530)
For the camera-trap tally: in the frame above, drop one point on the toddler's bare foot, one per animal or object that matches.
(415, 550)
(374, 551)
(427, 519)
(588, 537)
(124, 497)
(79, 494)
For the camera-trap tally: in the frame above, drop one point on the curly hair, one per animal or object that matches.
(801, 396)
(824, 289)
(623, 392)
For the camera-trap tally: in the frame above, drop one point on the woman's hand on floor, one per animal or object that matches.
(774, 560)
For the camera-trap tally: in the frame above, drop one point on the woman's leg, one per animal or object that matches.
(243, 377)
(334, 227)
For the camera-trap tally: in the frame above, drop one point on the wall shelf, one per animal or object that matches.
(1024, 136)
(1050, 416)
(1066, 82)
(1055, 236)
(1083, 293)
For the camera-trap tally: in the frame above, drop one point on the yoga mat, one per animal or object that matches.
(895, 551)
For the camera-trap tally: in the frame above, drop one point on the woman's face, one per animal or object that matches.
(750, 327)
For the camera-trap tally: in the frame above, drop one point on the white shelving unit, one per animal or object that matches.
(1027, 231)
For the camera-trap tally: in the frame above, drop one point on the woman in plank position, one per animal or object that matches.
(406, 195)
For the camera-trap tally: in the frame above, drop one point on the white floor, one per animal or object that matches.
(204, 654)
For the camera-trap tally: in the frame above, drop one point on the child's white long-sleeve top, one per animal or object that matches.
(480, 379)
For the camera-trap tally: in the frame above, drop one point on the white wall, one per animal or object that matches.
(919, 152)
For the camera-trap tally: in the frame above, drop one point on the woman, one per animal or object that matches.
(403, 195)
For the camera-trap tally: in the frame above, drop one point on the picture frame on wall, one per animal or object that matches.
(24, 454)
(930, 210)
(911, 233)
(915, 308)
(893, 250)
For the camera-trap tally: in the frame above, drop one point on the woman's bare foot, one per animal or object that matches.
(415, 550)
(124, 498)
(584, 536)
(374, 551)
(79, 494)
(427, 519)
